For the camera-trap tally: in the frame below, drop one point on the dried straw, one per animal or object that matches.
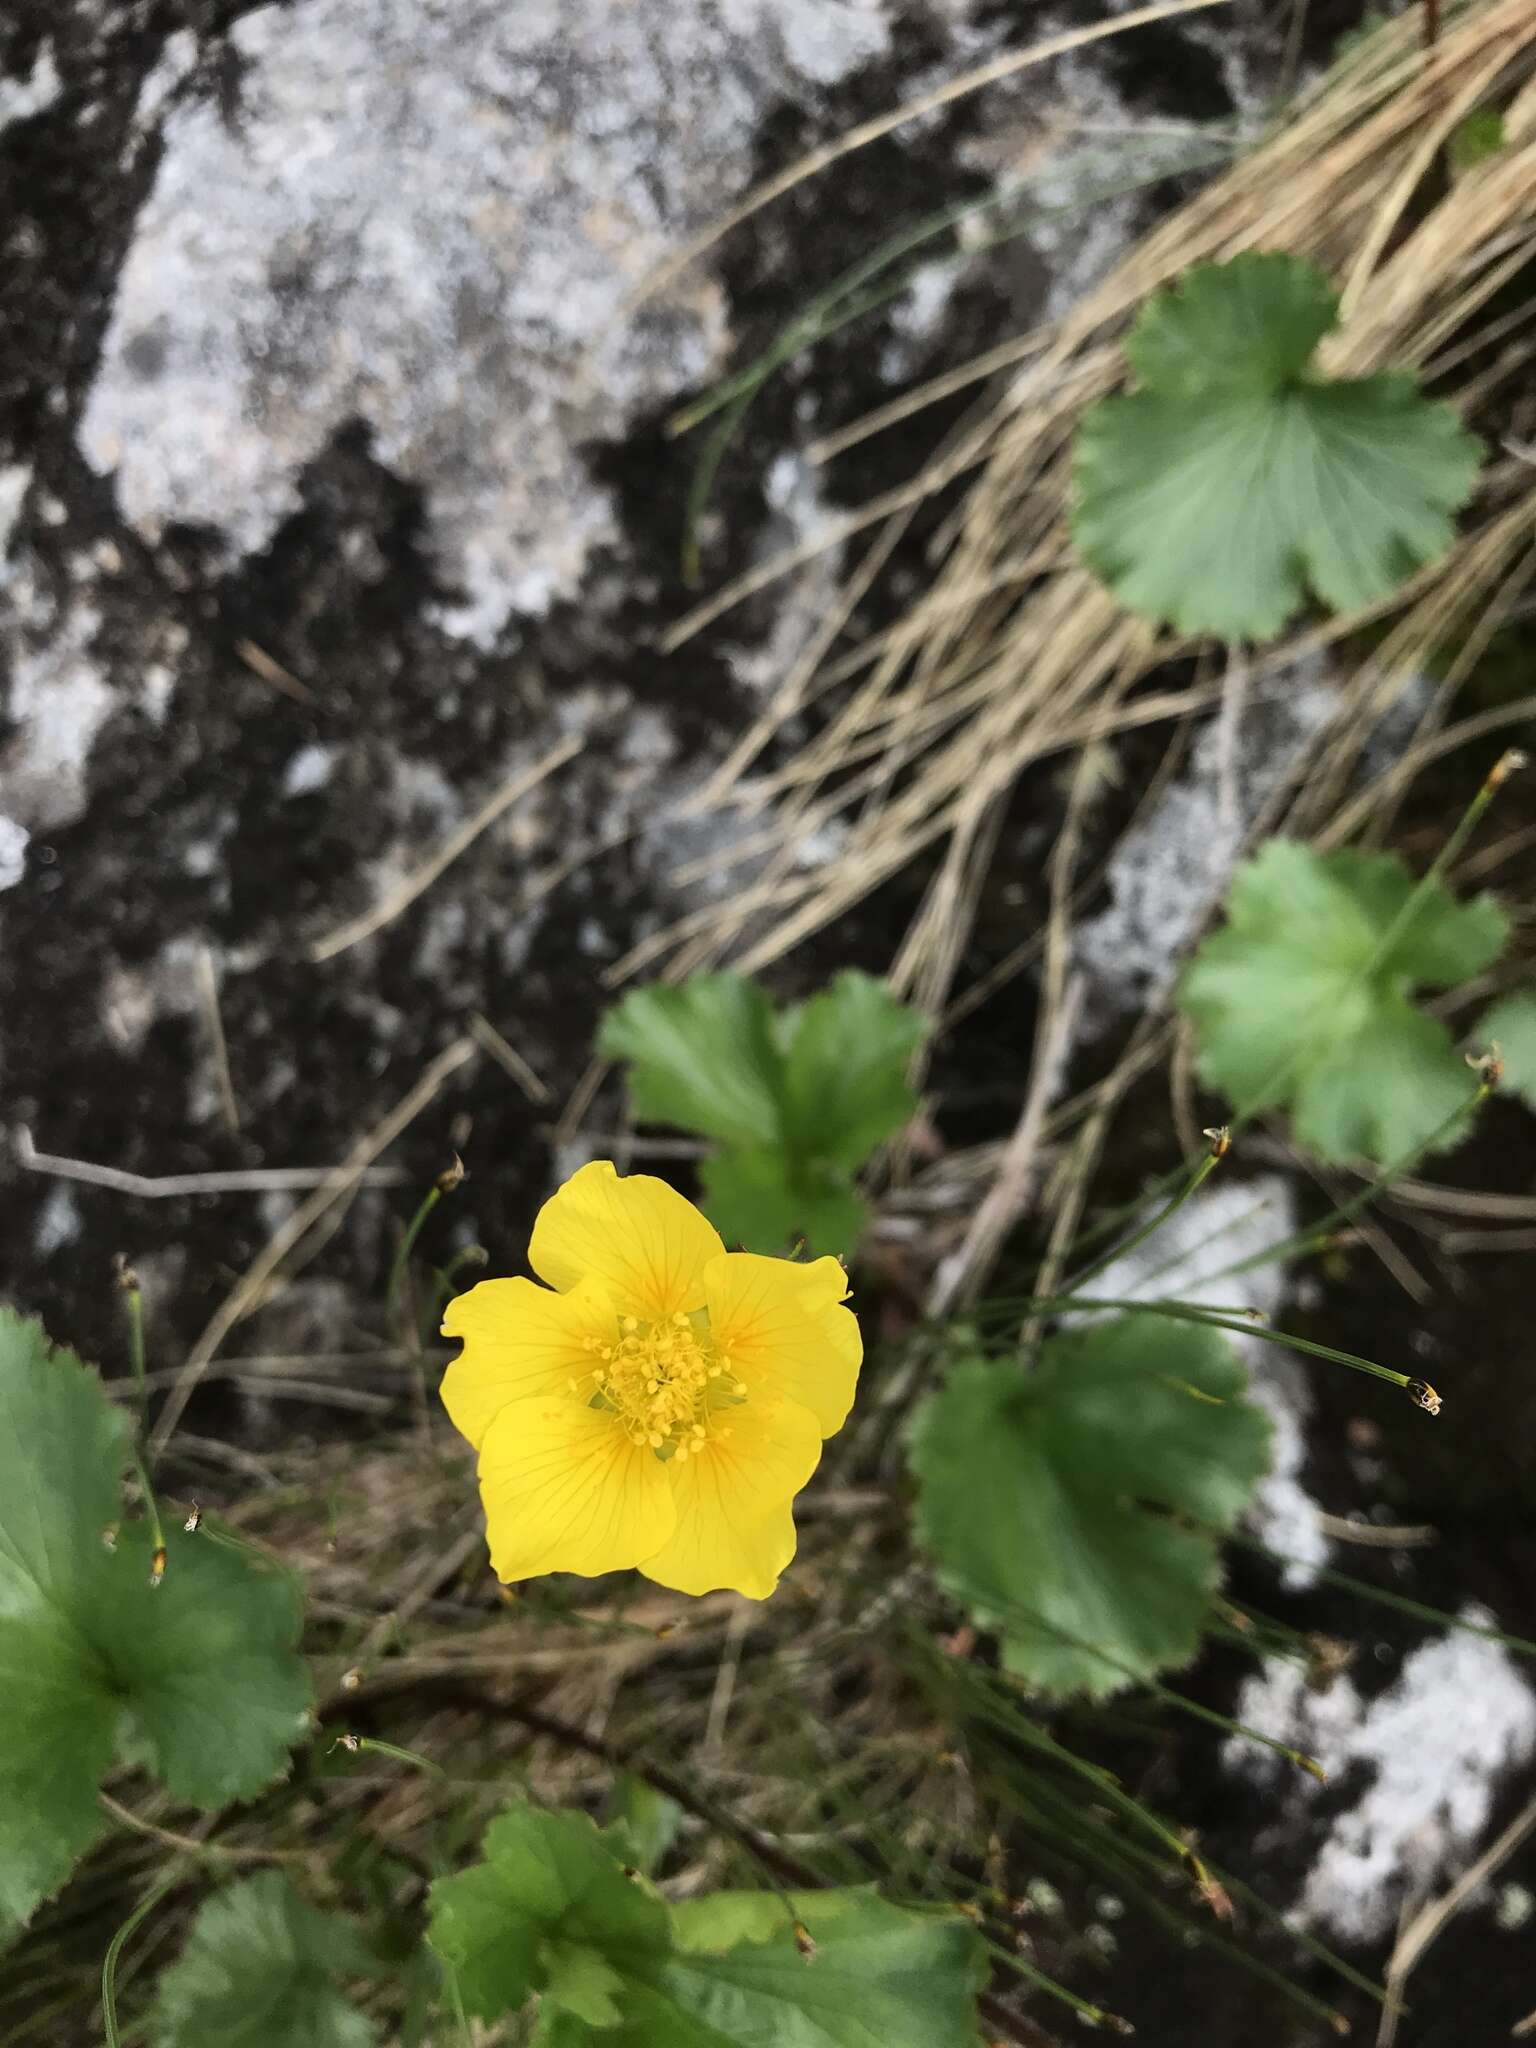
(1015, 654)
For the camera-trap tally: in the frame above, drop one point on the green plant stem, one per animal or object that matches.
(842, 303)
(152, 1513)
(456, 2004)
(1187, 1312)
(1193, 1182)
(1522, 1645)
(133, 1309)
(1315, 1236)
(413, 1230)
(1095, 2015)
(109, 1962)
(1165, 1693)
(813, 323)
(356, 1743)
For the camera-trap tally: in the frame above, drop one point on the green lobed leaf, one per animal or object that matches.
(613, 1966)
(642, 1822)
(1295, 1003)
(798, 1100)
(880, 1977)
(1235, 481)
(1511, 1026)
(845, 1085)
(1082, 1465)
(197, 1677)
(549, 1886)
(753, 1201)
(260, 1970)
(702, 1055)
(1249, 324)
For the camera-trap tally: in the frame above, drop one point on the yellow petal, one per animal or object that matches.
(639, 1237)
(566, 1491)
(519, 1340)
(783, 1330)
(734, 1526)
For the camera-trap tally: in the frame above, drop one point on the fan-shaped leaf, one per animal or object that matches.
(1060, 1503)
(1296, 1001)
(197, 1676)
(1235, 481)
(260, 1970)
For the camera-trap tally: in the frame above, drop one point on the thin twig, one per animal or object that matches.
(218, 1045)
(1378, 1535)
(245, 1180)
(341, 1183)
(261, 663)
(192, 1845)
(817, 160)
(1430, 1920)
(405, 893)
(508, 1057)
(962, 1275)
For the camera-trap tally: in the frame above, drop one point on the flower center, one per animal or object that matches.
(666, 1382)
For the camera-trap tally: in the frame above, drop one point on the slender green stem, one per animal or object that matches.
(1316, 1236)
(1095, 2015)
(1005, 1608)
(456, 2004)
(815, 321)
(109, 1962)
(1193, 1182)
(152, 1513)
(1188, 1312)
(1508, 763)
(133, 1309)
(353, 1744)
(1417, 1608)
(840, 305)
(407, 1243)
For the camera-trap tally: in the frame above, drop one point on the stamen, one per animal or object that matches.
(662, 1378)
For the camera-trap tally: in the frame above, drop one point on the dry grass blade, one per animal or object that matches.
(336, 1188)
(1015, 653)
(405, 893)
(991, 73)
(163, 1187)
(962, 1276)
(1429, 1922)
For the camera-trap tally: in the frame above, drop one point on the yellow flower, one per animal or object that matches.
(660, 1403)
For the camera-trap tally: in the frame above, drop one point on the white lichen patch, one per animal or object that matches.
(433, 218)
(21, 98)
(58, 700)
(1437, 1744)
(14, 479)
(14, 840)
(1187, 1260)
(1170, 872)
